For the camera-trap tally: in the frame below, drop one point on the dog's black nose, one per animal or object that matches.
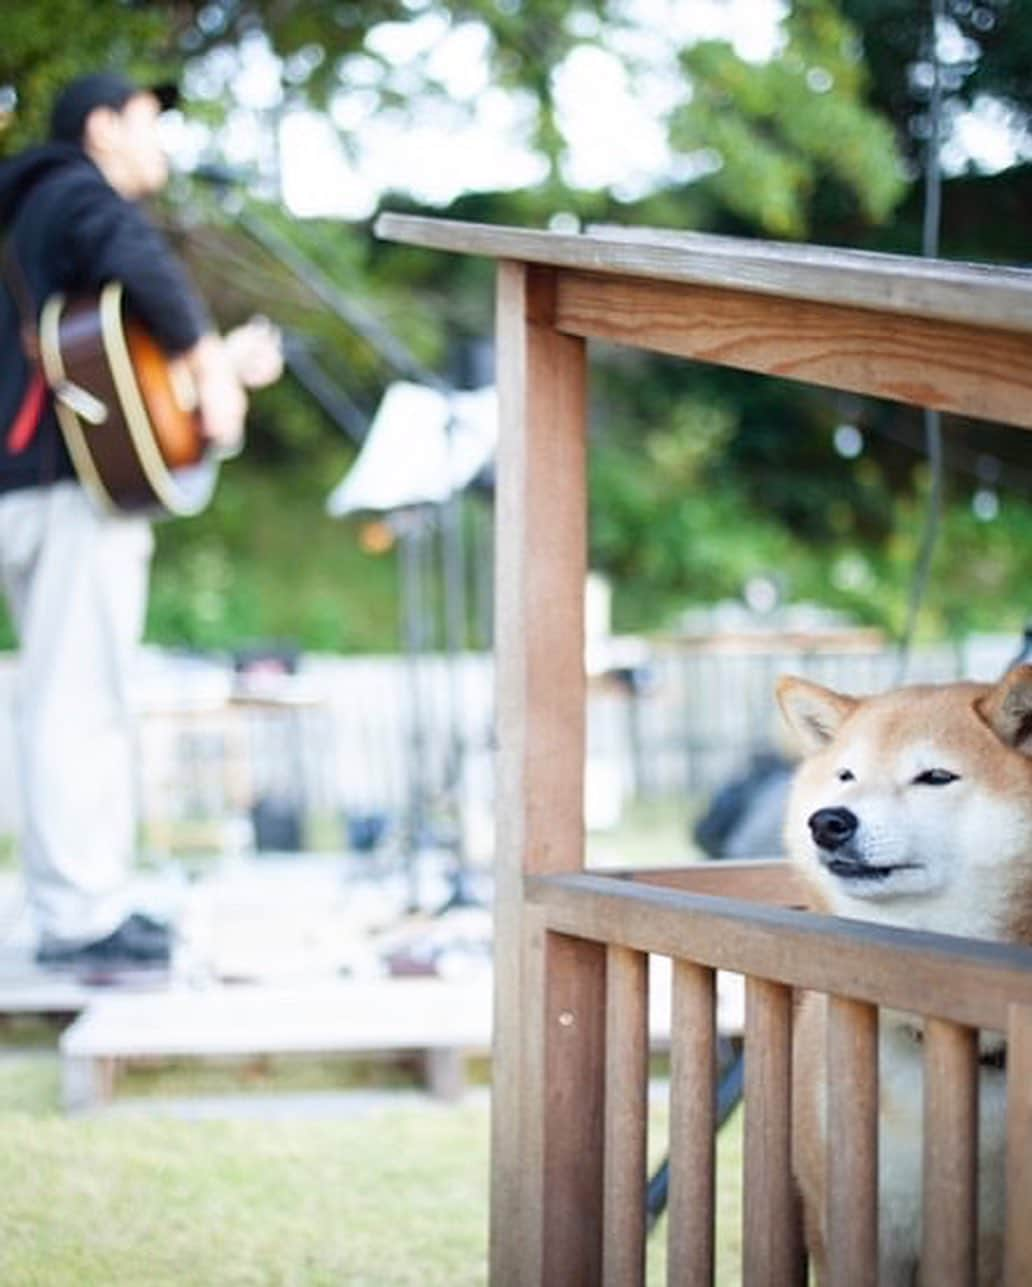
(831, 828)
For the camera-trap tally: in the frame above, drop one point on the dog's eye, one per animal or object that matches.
(935, 777)
(846, 775)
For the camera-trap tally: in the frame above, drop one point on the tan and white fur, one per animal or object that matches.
(914, 809)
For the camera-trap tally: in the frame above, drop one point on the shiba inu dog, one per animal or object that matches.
(913, 808)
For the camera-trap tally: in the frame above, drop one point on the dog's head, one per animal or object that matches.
(915, 807)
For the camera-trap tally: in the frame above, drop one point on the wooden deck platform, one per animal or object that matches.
(440, 1021)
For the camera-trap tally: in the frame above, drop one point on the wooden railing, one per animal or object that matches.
(958, 986)
(571, 949)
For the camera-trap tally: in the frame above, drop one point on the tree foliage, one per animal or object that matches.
(778, 132)
(700, 477)
(987, 51)
(48, 42)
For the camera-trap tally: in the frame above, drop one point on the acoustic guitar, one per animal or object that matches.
(128, 414)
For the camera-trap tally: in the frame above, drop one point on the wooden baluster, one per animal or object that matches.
(772, 1251)
(693, 1105)
(574, 1111)
(626, 1128)
(852, 1134)
(1018, 1264)
(949, 1226)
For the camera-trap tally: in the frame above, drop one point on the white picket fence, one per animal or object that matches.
(351, 736)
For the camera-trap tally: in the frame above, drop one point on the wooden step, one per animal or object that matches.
(444, 1022)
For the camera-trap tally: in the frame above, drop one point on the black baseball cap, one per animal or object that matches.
(100, 89)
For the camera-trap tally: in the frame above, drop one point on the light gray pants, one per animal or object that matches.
(76, 583)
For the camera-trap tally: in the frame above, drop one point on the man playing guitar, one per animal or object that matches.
(75, 576)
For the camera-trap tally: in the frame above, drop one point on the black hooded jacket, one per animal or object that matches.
(66, 229)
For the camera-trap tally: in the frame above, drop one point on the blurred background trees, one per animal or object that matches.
(701, 478)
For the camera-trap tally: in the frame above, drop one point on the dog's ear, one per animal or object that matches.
(1007, 709)
(813, 713)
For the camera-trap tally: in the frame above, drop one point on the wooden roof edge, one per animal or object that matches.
(988, 295)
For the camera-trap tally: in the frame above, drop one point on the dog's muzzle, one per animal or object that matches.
(832, 828)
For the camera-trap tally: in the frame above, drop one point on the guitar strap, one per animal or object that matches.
(30, 413)
(23, 427)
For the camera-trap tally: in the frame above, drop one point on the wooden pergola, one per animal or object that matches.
(571, 957)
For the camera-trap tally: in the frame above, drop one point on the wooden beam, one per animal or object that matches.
(967, 981)
(772, 881)
(949, 365)
(979, 294)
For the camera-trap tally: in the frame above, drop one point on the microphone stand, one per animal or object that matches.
(406, 365)
(310, 374)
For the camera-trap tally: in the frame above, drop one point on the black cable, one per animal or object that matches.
(992, 469)
(930, 237)
(732, 1080)
(730, 1088)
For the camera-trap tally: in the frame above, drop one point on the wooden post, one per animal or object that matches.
(541, 528)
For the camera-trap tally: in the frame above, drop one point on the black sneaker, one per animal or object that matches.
(138, 943)
(140, 921)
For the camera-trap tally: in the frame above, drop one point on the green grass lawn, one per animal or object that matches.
(397, 1196)
(729, 1201)
(394, 1197)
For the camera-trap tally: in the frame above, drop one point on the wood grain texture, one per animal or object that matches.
(976, 293)
(574, 1108)
(693, 1118)
(952, 366)
(1018, 1254)
(772, 1241)
(953, 336)
(852, 1155)
(962, 980)
(949, 1239)
(626, 1122)
(774, 882)
(540, 551)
